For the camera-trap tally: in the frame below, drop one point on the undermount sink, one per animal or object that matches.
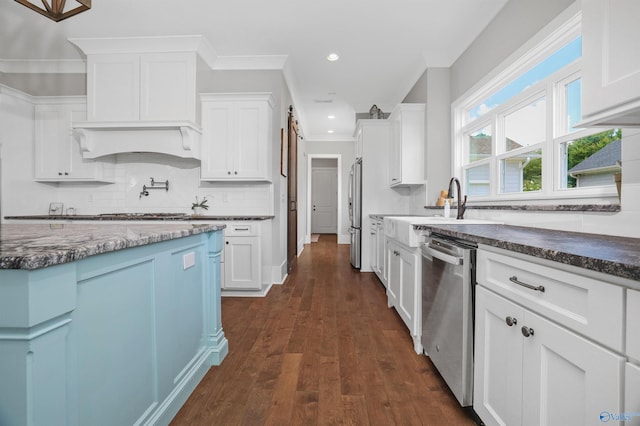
(400, 228)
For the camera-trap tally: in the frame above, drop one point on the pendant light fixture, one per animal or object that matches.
(54, 9)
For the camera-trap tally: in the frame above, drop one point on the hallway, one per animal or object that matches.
(321, 349)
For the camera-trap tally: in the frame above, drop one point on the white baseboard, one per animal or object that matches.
(344, 239)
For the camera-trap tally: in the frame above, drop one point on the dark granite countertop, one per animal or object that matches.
(593, 208)
(618, 256)
(33, 246)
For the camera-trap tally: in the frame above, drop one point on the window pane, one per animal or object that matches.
(573, 96)
(479, 145)
(553, 63)
(477, 180)
(521, 173)
(526, 126)
(592, 160)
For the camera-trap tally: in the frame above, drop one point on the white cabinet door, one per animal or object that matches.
(217, 140)
(497, 390)
(611, 62)
(58, 156)
(536, 372)
(167, 86)
(381, 254)
(408, 304)
(236, 135)
(123, 87)
(566, 378)
(113, 87)
(373, 246)
(252, 137)
(242, 269)
(633, 319)
(395, 150)
(632, 394)
(394, 274)
(406, 155)
(403, 288)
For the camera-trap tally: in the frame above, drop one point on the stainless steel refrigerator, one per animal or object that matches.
(355, 211)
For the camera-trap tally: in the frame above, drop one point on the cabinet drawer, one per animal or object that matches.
(633, 319)
(586, 305)
(240, 229)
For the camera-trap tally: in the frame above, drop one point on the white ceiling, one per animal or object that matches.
(384, 46)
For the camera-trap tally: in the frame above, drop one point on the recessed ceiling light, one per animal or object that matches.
(330, 131)
(332, 57)
(331, 117)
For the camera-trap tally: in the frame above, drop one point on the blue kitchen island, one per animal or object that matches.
(106, 324)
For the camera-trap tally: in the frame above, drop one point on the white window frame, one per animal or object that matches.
(556, 132)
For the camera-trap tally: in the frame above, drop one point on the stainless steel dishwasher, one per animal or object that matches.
(448, 279)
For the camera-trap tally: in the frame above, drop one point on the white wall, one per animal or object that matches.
(513, 26)
(432, 89)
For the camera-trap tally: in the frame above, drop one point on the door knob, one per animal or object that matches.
(526, 331)
(511, 321)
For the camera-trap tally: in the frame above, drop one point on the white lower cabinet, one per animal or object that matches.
(549, 343)
(536, 372)
(242, 257)
(404, 290)
(377, 249)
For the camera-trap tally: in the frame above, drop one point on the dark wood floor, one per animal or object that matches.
(321, 349)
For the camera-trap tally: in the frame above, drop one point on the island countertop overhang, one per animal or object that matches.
(27, 246)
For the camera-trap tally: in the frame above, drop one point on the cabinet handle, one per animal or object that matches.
(514, 280)
(240, 229)
(526, 331)
(511, 321)
(397, 253)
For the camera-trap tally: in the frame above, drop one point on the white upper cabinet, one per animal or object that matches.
(141, 95)
(406, 155)
(58, 156)
(611, 62)
(141, 87)
(236, 136)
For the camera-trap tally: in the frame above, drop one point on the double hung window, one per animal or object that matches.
(518, 136)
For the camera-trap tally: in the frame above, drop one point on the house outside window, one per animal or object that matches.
(518, 137)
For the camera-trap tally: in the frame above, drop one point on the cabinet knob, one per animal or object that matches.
(511, 321)
(229, 172)
(66, 173)
(526, 331)
(59, 173)
(227, 242)
(235, 173)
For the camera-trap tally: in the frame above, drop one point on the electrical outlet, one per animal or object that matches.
(188, 260)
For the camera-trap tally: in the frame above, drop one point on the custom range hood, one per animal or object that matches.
(141, 95)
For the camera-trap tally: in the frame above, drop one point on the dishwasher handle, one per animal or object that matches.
(454, 260)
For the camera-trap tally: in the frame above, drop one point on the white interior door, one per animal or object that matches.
(324, 200)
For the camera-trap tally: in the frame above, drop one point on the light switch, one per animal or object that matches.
(188, 260)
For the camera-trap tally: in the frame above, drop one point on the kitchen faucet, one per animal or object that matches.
(462, 204)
